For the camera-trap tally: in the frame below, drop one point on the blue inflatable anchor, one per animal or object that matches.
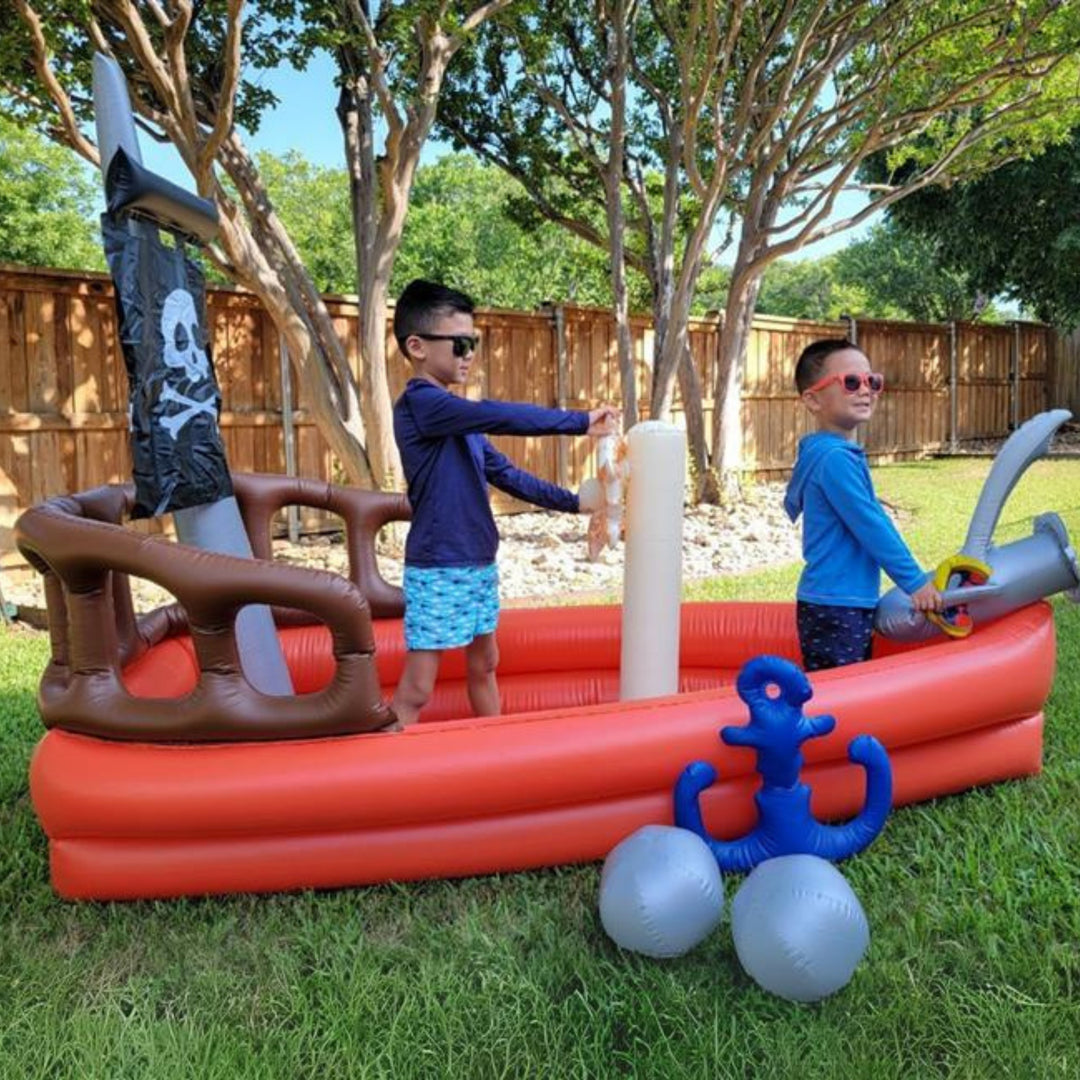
(776, 730)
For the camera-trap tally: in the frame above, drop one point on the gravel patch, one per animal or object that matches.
(1066, 443)
(544, 554)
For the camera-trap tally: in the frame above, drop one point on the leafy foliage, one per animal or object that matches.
(273, 32)
(889, 274)
(464, 228)
(1015, 231)
(313, 204)
(897, 274)
(48, 198)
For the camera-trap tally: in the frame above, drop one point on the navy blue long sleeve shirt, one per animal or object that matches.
(449, 463)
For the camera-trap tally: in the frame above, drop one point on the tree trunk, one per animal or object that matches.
(375, 384)
(265, 261)
(727, 417)
(673, 347)
(379, 195)
(623, 338)
(373, 269)
(618, 61)
(694, 409)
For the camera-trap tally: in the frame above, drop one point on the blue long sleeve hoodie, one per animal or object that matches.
(449, 463)
(847, 536)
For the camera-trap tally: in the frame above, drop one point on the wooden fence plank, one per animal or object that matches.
(16, 352)
(7, 398)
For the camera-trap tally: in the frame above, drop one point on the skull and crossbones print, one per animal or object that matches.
(187, 363)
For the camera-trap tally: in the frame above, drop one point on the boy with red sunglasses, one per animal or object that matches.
(451, 580)
(847, 536)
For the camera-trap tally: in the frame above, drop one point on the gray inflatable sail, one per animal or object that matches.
(180, 460)
(1023, 571)
(113, 117)
(1027, 444)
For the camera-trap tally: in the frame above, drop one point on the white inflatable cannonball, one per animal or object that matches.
(660, 892)
(799, 928)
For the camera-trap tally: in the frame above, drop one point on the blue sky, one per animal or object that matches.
(304, 120)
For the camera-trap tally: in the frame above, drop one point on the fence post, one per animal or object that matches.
(1050, 344)
(288, 428)
(1014, 380)
(559, 318)
(954, 404)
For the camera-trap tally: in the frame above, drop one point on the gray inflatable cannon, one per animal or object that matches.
(983, 582)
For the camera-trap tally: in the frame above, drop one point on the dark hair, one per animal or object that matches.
(420, 304)
(814, 357)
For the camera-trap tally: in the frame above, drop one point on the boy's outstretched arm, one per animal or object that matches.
(503, 474)
(438, 413)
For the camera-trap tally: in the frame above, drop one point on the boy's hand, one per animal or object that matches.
(927, 598)
(603, 421)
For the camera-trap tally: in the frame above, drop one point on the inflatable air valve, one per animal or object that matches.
(1020, 573)
(652, 578)
(777, 728)
(178, 459)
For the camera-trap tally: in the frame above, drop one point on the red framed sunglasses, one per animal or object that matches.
(853, 381)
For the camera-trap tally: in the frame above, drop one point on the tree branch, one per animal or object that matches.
(226, 100)
(377, 61)
(1000, 121)
(145, 53)
(175, 38)
(479, 16)
(56, 92)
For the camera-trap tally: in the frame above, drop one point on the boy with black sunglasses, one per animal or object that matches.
(847, 536)
(451, 580)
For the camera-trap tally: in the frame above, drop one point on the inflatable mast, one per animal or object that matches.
(178, 459)
(652, 573)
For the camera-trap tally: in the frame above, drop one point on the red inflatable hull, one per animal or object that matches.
(565, 774)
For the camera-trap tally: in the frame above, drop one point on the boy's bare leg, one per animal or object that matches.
(481, 660)
(416, 684)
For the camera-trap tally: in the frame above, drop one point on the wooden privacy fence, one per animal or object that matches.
(63, 390)
(1066, 388)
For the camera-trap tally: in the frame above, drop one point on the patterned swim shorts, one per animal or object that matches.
(447, 606)
(834, 636)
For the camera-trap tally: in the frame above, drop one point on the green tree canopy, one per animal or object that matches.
(48, 199)
(1015, 231)
(313, 204)
(896, 273)
(888, 274)
(465, 228)
(805, 289)
(755, 115)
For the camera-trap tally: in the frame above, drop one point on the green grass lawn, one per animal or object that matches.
(973, 903)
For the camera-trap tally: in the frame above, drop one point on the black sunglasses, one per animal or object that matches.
(463, 343)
